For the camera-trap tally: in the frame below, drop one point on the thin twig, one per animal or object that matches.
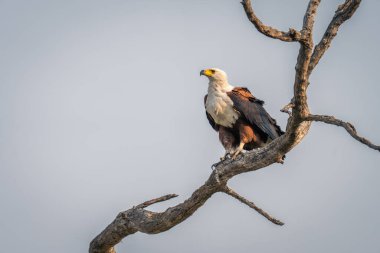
(288, 108)
(156, 200)
(243, 200)
(346, 125)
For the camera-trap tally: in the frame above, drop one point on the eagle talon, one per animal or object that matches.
(222, 159)
(235, 156)
(225, 157)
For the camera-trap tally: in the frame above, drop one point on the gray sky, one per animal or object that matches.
(101, 108)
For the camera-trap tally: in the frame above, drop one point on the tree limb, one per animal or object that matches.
(137, 219)
(290, 36)
(301, 108)
(243, 200)
(309, 17)
(346, 125)
(343, 13)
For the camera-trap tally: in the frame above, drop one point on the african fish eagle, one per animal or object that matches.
(239, 117)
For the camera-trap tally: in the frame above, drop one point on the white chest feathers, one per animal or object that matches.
(220, 107)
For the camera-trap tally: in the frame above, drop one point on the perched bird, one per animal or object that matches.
(239, 117)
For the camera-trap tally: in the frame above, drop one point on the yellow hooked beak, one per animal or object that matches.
(206, 72)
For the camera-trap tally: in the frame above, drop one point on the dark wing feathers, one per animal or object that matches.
(247, 94)
(210, 119)
(252, 109)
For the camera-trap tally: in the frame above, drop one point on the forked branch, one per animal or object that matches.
(137, 219)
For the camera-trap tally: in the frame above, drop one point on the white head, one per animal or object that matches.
(215, 75)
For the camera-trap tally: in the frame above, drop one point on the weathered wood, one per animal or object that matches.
(252, 205)
(137, 219)
(346, 125)
(290, 36)
(343, 12)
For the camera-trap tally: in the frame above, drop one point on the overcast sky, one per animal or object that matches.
(101, 108)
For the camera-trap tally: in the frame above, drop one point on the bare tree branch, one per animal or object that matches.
(343, 13)
(288, 108)
(301, 108)
(290, 36)
(154, 201)
(346, 125)
(309, 17)
(137, 219)
(243, 200)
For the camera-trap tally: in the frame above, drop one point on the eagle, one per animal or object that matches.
(238, 116)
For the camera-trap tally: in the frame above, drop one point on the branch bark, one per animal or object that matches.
(137, 219)
(243, 200)
(346, 125)
(290, 36)
(343, 13)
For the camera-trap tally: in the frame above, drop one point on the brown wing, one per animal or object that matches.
(210, 119)
(253, 111)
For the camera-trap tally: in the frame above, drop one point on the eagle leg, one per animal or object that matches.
(238, 150)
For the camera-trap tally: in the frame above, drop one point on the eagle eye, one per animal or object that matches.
(213, 71)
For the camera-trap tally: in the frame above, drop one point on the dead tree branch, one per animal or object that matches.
(137, 219)
(243, 200)
(346, 125)
(157, 200)
(290, 36)
(343, 12)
